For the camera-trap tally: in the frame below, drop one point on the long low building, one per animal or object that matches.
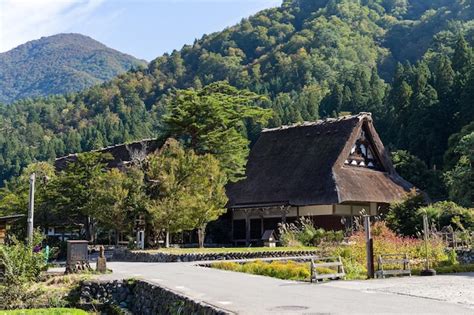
(329, 171)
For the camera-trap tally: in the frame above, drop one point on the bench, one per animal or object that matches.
(327, 262)
(393, 259)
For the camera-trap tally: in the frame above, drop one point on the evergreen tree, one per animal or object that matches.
(211, 121)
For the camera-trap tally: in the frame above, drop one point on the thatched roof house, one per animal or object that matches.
(326, 170)
(122, 154)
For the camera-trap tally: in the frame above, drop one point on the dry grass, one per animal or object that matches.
(54, 290)
(287, 270)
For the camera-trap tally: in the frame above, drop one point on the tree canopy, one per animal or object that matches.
(408, 62)
(213, 120)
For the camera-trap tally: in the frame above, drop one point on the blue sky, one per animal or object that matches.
(142, 28)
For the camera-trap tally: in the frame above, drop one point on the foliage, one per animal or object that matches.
(211, 120)
(455, 268)
(416, 172)
(403, 216)
(20, 261)
(288, 270)
(59, 64)
(47, 311)
(304, 233)
(224, 250)
(22, 265)
(353, 255)
(447, 213)
(117, 196)
(186, 191)
(460, 179)
(310, 59)
(71, 197)
(387, 242)
(406, 217)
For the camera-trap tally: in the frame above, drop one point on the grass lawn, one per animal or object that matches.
(46, 311)
(178, 251)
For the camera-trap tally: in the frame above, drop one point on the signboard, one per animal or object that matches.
(77, 255)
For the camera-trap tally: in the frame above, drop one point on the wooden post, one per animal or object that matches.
(232, 226)
(247, 228)
(283, 214)
(426, 231)
(369, 247)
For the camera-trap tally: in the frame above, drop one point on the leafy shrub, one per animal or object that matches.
(406, 217)
(20, 261)
(21, 266)
(387, 242)
(304, 233)
(452, 258)
(403, 216)
(448, 213)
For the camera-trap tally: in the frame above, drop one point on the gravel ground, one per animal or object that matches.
(453, 288)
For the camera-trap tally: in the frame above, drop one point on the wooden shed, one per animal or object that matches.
(324, 170)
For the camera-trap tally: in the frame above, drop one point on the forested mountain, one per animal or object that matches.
(59, 64)
(409, 62)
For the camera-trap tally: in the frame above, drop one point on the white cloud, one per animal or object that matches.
(24, 20)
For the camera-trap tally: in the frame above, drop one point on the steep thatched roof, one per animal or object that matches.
(306, 164)
(122, 153)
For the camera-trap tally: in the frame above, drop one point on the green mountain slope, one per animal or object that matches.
(312, 58)
(59, 64)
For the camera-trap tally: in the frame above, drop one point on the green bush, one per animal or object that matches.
(304, 233)
(403, 217)
(20, 262)
(448, 213)
(21, 267)
(455, 268)
(46, 311)
(406, 217)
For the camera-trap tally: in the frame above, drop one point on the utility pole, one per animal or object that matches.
(31, 208)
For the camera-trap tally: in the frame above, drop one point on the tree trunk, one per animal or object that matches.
(117, 237)
(167, 239)
(87, 228)
(201, 235)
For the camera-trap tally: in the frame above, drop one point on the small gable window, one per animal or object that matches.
(362, 154)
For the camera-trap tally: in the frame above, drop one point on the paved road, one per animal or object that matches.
(248, 294)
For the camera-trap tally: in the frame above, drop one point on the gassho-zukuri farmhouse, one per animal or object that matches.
(329, 171)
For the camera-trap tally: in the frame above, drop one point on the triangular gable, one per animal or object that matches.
(365, 184)
(372, 151)
(364, 153)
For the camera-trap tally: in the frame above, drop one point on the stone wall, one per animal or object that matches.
(137, 256)
(140, 297)
(465, 256)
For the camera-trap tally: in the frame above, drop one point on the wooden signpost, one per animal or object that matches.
(369, 245)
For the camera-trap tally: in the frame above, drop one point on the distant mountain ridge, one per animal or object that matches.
(59, 64)
(408, 62)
